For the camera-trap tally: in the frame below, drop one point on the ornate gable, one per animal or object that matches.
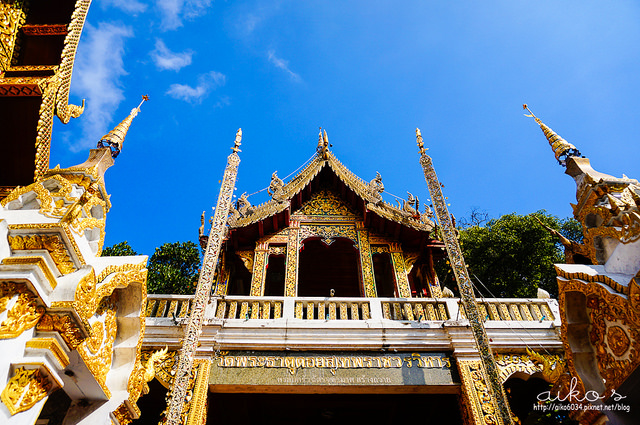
(326, 203)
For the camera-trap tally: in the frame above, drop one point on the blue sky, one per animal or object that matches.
(369, 73)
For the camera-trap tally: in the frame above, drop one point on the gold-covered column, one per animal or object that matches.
(260, 259)
(291, 267)
(198, 408)
(402, 281)
(478, 405)
(366, 263)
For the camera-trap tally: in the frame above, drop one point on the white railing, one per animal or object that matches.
(317, 308)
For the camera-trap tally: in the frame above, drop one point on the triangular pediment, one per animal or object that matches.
(326, 203)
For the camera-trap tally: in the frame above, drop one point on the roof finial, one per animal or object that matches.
(420, 142)
(236, 143)
(562, 149)
(115, 138)
(323, 144)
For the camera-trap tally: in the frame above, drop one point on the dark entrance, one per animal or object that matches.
(325, 267)
(312, 409)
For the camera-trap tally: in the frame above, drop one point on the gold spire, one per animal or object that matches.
(562, 149)
(115, 138)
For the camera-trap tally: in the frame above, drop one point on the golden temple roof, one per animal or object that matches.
(369, 192)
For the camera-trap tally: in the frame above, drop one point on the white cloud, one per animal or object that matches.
(206, 83)
(98, 70)
(175, 11)
(166, 59)
(283, 65)
(130, 6)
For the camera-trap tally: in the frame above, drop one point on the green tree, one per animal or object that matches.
(513, 256)
(173, 269)
(119, 249)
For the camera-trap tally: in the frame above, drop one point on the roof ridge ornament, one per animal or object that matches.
(562, 149)
(323, 144)
(115, 138)
(237, 142)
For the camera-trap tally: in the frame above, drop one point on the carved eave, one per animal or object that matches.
(294, 195)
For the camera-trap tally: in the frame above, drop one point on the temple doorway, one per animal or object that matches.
(317, 409)
(324, 267)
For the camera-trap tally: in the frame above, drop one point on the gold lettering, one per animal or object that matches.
(398, 361)
(378, 360)
(310, 362)
(241, 361)
(356, 362)
(299, 361)
(330, 362)
(386, 362)
(321, 362)
(368, 362)
(228, 361)
(271, 361)
(261, 361)
(448, 362)
(344, 362)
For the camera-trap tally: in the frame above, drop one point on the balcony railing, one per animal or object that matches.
(350, 309)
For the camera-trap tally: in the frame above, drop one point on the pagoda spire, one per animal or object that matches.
(562, 149)
(115, 138)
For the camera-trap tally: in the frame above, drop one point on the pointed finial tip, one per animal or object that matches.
(420, 142)
(237, 141)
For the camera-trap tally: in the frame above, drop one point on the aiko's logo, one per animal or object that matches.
(573, 396)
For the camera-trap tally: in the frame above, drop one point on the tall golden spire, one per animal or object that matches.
(562, 149)
(115, 138)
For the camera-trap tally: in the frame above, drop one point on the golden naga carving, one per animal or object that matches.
(24, 313)
(552, 367)
(276, 188)
(123, 415)
(571, 248)
(144, 373)
(12, 17)
(51, 242)
(64, 325)
(25, 388)
(375, 189)
(97, 350)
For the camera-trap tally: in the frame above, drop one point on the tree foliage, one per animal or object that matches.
(513, 256)
(119, 249)
(173, 269)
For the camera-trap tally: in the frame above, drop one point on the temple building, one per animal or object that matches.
(321, 305)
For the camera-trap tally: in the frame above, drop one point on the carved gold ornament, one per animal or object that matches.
(64, 325)
(326, 202)
(24, 390)
(24, 311)
(50, 242)
(618, 340)
(97, 350)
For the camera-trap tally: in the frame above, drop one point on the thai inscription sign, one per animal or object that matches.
(309, 368)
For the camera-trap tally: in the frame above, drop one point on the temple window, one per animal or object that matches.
(240, 279)
(383, 270)
(324, 267)
(274, 280)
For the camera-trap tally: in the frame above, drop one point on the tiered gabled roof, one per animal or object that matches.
(368, 193)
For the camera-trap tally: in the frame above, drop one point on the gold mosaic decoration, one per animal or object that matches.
(259, 272)
(402, 281)
(25, 388)
(24, 313)
(476, 393)
(548, 365)
(366, 264)
(325, 202)
(291, 266)
(328, 232)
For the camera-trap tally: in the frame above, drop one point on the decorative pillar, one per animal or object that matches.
(366, 263)
(477, 407)
(402, 281)
(222, 283)
(260, 259)
(494, 392)
(203, 290)
(291, 266)
(198, 407)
